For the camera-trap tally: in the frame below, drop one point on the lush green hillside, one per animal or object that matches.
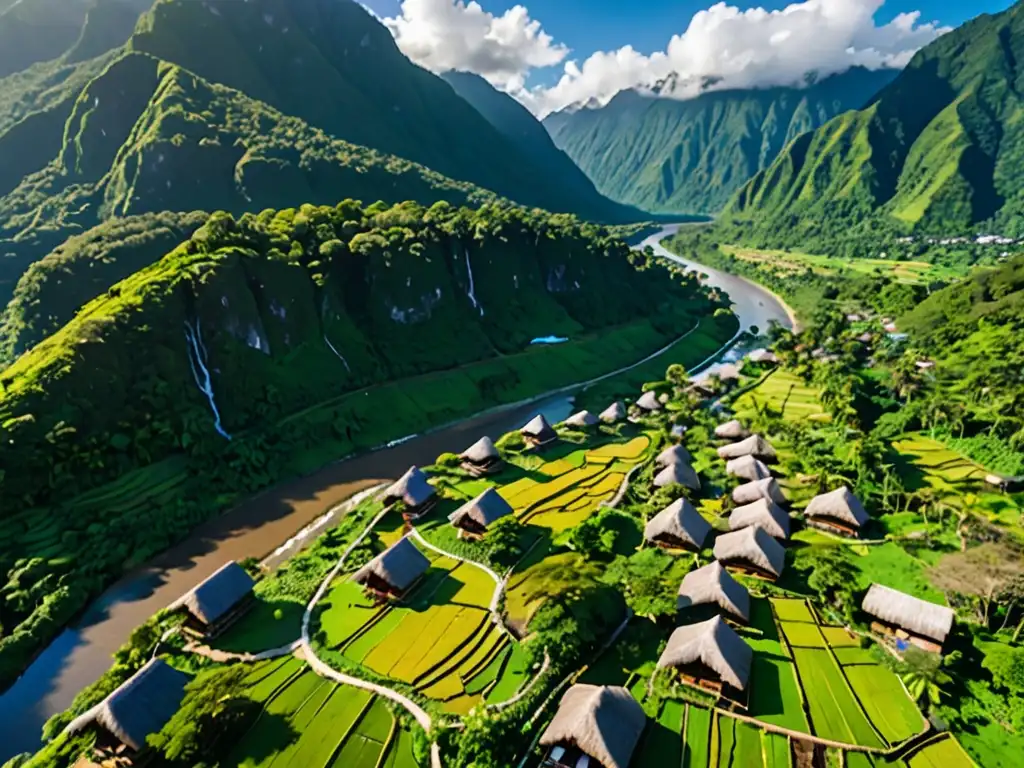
(305, 335)
(37, 30)
(672, 156)
(939, 150)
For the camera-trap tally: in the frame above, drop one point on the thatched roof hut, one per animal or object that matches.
(538, 431)
(397, 567)
(411, 488)
(714, 645)
(728, 372)
(604, 722)
(768, 488)
(678, 524)
(755, 446)
(649, 401)
(700, 389)
(747, 468)
(482, 451)
(764, 514)
(763, 357)
(679, 473)
(613, 413)
(751, 546)
(673, 455)
(840, 505)
(731, 430)
(139, 707)
(713, 585)
(582, 419)
(478, 514)
(216, 596)
(908, 612)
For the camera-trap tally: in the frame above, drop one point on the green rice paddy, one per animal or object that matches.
(944, 752)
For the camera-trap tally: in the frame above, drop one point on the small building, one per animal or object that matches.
(678, 526)
(673, 455)
(216, 602)
(866, 338)
(728, 374)
(713, 585)
(391, 573)
(748, 493)
(481, 458)
(678, 473)
(731, 430)
(709, 655)
(755, 446)
(414, 491)
(582, 420)
(837, 511)
(135, 710)
(677, 432)
(752, 551)
(649, 401)
(701, 390)
(613, 414)
(474, 517)
(907, 618)
(747, 468)
(762, 513)
(538, 433)
(602, 723)
(763, 357)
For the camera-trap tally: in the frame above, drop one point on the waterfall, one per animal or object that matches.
(336, 352)
(472, 286)
(197, 361)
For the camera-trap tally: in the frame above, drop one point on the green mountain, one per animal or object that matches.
(939, 150)
(38, 30)
(671, 156)
(304, 335)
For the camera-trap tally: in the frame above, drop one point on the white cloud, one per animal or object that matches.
(451, 34)
(737, 48)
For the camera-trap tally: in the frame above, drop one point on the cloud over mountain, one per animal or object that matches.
(735, 48)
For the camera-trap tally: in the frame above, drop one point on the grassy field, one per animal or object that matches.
(790, 262)
(784, 392)
(310, 721)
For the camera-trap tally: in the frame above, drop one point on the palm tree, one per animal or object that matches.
(923, 675)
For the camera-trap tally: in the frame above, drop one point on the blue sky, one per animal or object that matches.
(553, 53)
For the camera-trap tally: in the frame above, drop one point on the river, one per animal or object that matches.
(258, 526)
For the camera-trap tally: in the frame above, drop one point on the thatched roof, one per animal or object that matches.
(399, 565)
(216, 594)
(583, 419)
(679, 473)
(763, 513)
(839, 504)
(649, 401)
(605, 722)
(755, 446)
(140, 706)
(681, 520)
(750, 492)
(538, 428)
(747, 468)
(701, 389)
(613, 413)
(480, 451)
(412, 488)
(763, 356)
(484, 509)
(731, 430)
(714, 644)
(673, 455)
(753, 545)
(910, 613)
(728, 372)
(712, 584)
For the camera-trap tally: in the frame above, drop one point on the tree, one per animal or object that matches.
(982, 573)
(215, 708)
(1007, 668)
(923, 675)
(645, 580)
(595, 536)
(832, 575)
(503, 541)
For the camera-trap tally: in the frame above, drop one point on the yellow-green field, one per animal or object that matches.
(781, 389)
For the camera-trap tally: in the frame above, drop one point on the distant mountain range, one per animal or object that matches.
(940, 149)
(668, 155)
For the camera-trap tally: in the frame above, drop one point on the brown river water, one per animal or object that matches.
(259, 526)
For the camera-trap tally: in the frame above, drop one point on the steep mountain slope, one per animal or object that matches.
(38, 30)
(516, 124)
(672, 156)
(940, 149)
(332, 64)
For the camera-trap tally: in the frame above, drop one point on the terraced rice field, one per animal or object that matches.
(945, 752)
(310, 721)
(782, 389)
(775, 695)
(835, 711)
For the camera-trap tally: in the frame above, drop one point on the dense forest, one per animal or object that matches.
(237, 360)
